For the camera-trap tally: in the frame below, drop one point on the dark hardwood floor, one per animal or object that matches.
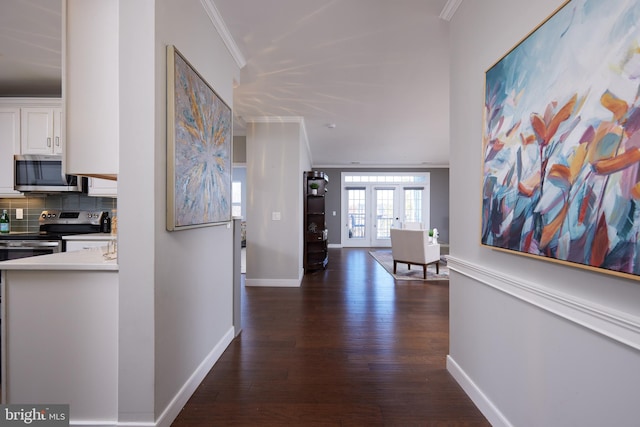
(350, 347)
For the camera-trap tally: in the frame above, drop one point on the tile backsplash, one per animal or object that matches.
(33, 205)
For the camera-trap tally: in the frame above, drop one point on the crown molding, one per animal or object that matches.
(449, 9)
(222, 29)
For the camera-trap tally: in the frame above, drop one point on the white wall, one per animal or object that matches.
(193, 268)
(533, 342)
(136, 210)
(175, 288)
(274, 184)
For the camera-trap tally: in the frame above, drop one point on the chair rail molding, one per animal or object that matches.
(614, 324)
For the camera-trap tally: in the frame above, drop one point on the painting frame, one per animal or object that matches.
(199, 149)
(561, 141)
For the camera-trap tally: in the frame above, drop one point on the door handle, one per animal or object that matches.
(49, 142)
(57, 141)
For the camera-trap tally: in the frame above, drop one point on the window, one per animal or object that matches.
(413, 204)
(356, 208)
(384, 212)
(236, 198)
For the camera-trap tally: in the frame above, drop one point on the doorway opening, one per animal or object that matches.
(239, 208)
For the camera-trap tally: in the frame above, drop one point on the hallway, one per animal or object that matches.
(348, 348)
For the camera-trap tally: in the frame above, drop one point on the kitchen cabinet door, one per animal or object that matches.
(38, 133)
(102, 187)
(9, 146)
(57, 131)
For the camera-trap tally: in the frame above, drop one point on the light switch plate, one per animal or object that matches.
(275, 216)
(19, 213)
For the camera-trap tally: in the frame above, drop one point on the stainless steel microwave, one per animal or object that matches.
(43, 174)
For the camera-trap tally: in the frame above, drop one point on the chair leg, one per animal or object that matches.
(437, 267)
(424, 271)
(395, 265)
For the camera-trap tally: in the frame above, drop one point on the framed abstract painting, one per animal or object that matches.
(561, 140)
(199, 167)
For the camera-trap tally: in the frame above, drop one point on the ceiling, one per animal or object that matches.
(376, 69)
(370, 78)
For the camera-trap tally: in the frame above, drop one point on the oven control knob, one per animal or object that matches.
(44, 215)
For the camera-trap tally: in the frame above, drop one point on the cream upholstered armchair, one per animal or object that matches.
(414, 247)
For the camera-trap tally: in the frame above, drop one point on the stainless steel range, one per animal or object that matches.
(63, 223)
(53, 225)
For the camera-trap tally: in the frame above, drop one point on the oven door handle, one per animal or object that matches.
(27, 245)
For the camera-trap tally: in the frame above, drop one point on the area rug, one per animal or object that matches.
(403, 273)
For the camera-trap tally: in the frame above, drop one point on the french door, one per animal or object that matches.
(371, 209)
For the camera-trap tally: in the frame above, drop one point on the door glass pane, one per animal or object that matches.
(356, 212)
(384, 213)
(413, 205)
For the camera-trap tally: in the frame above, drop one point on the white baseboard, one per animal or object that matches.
(273, 283)
(180, 399)
(335, 245)
(488, 409)
(174, 407)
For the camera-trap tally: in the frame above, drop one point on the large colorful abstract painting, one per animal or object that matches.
(198, 149)
(561, 140)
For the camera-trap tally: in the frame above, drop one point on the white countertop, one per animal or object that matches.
(91, 236)
(87, 259)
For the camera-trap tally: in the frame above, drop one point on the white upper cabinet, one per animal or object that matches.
(90, 86)
(102, 187)
(9, 146)
(41, 131)
(27, 126)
